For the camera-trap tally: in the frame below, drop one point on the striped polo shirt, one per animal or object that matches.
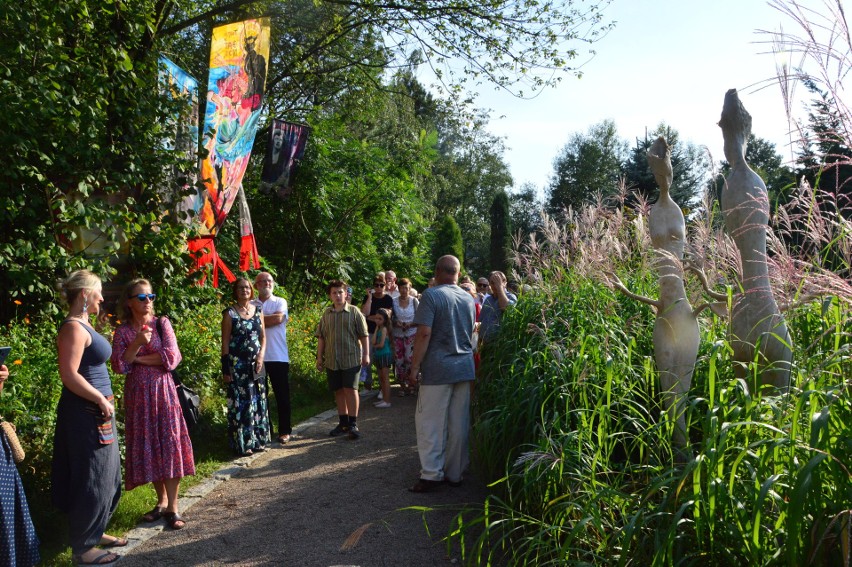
(342, 331)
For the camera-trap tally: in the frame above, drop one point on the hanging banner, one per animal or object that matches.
(178, 84)
(284, 150)
(238, 56)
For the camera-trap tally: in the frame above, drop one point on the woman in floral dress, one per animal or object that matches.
(159, 450)
(243, 346)
(404, 330)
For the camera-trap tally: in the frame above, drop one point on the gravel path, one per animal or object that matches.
(318, 501)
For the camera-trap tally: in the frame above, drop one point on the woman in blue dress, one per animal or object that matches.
(243, 346)
(86, 472)
(18, 540)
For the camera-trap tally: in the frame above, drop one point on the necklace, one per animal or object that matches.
(244, 310)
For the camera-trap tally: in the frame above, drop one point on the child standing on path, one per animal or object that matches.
(384, 356)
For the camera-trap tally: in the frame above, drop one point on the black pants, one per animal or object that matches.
(279, 378)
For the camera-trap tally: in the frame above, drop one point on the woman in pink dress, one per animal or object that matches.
(159, 450)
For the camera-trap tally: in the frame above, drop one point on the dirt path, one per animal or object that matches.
(319, 501)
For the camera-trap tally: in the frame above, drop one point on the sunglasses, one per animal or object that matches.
(482, 285)
(378, 285)
(143, 296)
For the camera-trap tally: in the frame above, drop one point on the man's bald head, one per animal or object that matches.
(447, 270)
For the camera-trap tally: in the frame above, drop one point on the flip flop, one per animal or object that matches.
(114, 542)
(99, 560)
(155, 514)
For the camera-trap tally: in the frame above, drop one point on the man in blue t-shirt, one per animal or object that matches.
(443, 351)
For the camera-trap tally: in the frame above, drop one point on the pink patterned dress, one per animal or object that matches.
(156, 436)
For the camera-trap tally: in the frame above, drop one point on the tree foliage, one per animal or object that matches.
(690, 168)
(85, 141)
(501, 233)
(448, 240)
(588, 166)
(525, 210)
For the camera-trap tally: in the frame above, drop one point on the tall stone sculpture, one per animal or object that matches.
(758, 331)
(676, 336)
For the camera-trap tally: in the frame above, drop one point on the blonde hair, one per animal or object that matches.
(122, 310)
(77, 282)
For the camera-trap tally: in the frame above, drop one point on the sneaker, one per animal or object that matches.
(354, 433)
(338, 431)
(382, 404)
(379, 396)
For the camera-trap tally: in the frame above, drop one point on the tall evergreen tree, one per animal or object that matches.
(448, 240)
(501, 233)
(690, 167)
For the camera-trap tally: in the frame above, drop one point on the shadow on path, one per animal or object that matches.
(321, 501)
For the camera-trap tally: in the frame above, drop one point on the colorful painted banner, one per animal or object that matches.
(179, 84)
(285, 147)
(238, 62)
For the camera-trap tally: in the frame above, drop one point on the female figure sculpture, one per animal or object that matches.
(676, 336)
(756, 323)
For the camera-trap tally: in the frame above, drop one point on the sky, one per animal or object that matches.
(665, 61)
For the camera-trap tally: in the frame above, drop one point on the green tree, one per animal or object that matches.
(85, 150)
(448, 240)
(762, 157)
(690, 168)
(588, 166)
(525, 210)
(501, 233)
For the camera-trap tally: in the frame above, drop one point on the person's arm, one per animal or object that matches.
(365, 350)
(70, 345)
(226, 339)
(258, 360)
(421, 344)
(275, 318)
(367, 306)
(4, 374)
(320, 351)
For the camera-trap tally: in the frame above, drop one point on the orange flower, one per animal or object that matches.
(26, 320)
(17, 302)
(18, 362)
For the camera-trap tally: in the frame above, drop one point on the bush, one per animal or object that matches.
(32, 392)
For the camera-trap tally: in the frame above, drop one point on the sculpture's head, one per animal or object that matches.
(736, 126)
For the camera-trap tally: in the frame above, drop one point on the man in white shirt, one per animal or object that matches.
(277, 359)
(390, 284)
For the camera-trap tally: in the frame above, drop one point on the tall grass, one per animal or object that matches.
(571, 432)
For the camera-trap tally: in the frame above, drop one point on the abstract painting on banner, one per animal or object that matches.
(285, 147)
(238, 64)
(178, 84)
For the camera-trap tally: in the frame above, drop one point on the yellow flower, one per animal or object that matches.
(18, 362)
(17, 302)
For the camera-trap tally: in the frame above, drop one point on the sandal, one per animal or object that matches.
(114, 542)
(174, 520)
(155, 514)
(284, 439)
(104, 558)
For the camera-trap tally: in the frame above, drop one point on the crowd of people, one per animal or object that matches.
(428, 340)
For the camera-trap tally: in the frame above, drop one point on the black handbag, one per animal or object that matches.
(190, 401)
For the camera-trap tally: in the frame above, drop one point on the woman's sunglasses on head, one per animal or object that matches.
(143, 296)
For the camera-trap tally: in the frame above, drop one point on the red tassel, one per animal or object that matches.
(248, 253)
(204, 250)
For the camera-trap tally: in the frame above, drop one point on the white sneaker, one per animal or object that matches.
(380, 396)
(382, 404)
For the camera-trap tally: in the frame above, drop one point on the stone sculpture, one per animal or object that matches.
(676, 336)
(758, 331)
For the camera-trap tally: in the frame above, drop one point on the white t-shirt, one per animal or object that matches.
(276, 337)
